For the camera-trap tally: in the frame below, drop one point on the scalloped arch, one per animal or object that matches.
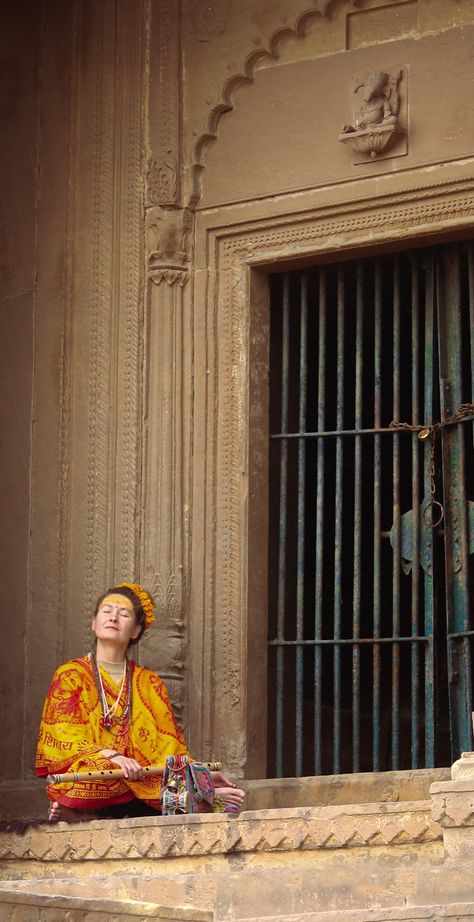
(319, 7)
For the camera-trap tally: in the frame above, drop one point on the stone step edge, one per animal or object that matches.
(389, 914)
(129, 907)
(289, 829)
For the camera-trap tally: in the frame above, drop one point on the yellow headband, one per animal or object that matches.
(145, 600)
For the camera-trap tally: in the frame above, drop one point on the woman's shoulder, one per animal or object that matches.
(80, 665)
(144, 675)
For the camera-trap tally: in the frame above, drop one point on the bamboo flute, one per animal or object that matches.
(107, 774)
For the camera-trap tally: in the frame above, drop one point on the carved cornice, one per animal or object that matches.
(269, 49)
(286, 830)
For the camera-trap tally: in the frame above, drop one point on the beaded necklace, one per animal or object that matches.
(109, 715)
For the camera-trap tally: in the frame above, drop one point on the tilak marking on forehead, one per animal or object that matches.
(116, 599)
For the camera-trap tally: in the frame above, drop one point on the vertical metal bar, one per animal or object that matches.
(301, 524)
(470, 264)
(338, 522)
(318, 603)
(428, 573)
(415, 567)
(280, 676)
(377, 513)
(357, 522)
(455, 505)
(396, 517)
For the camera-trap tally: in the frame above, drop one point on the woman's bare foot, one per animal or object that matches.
(232, 797)
(58, 813)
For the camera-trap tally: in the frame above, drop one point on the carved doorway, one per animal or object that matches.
(371, 625)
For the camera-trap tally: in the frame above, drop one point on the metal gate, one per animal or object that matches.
(371, 513)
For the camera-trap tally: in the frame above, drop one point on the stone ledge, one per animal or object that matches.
(454, 911)
(22, 905)
(311, 828)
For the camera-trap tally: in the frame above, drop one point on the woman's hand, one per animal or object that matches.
(132, 770)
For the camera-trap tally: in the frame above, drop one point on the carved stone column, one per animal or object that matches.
(166, 487)
(168, 363)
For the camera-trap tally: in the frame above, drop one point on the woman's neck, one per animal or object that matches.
(110, 653)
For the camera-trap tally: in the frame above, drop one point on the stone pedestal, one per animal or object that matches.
(453, 808)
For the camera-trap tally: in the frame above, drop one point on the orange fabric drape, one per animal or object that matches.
(72, 735)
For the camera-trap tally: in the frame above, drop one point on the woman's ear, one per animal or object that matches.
(136, 632)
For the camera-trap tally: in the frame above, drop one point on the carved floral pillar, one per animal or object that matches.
(166, 500)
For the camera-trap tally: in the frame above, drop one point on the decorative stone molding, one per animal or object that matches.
(297, 829)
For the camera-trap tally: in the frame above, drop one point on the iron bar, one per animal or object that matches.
(415, 505)
(357, 523)
(396, 518)
(454, 480)
(333, 433)
(377, 515)
(429, 333)
(348, 641)
(300, 541)
(318, 602)
(280, 674)
(338, 500)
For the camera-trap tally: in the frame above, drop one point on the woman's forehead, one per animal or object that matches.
(117, 599)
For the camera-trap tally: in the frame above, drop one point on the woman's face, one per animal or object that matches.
(115, 621)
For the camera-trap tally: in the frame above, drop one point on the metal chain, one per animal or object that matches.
(463, 414)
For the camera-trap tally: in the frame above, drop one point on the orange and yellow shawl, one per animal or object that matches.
(72, 735)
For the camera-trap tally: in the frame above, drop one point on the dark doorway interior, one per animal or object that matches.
(370, 536)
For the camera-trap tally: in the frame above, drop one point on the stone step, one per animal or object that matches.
(310, 864)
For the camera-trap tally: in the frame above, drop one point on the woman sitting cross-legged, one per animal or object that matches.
(104, 711)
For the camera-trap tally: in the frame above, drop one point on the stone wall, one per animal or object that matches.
(159, 159)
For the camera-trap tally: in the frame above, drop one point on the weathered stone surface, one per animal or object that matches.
(463, 769)
(263, 831)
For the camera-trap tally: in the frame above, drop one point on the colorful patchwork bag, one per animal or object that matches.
(188, 788)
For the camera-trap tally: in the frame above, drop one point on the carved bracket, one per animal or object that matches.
(167, 234)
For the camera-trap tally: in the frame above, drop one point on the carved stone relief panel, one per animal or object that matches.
(378, 126)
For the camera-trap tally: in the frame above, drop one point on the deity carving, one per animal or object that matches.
(376, 113)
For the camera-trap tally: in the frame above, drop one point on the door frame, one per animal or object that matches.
(235, 248)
